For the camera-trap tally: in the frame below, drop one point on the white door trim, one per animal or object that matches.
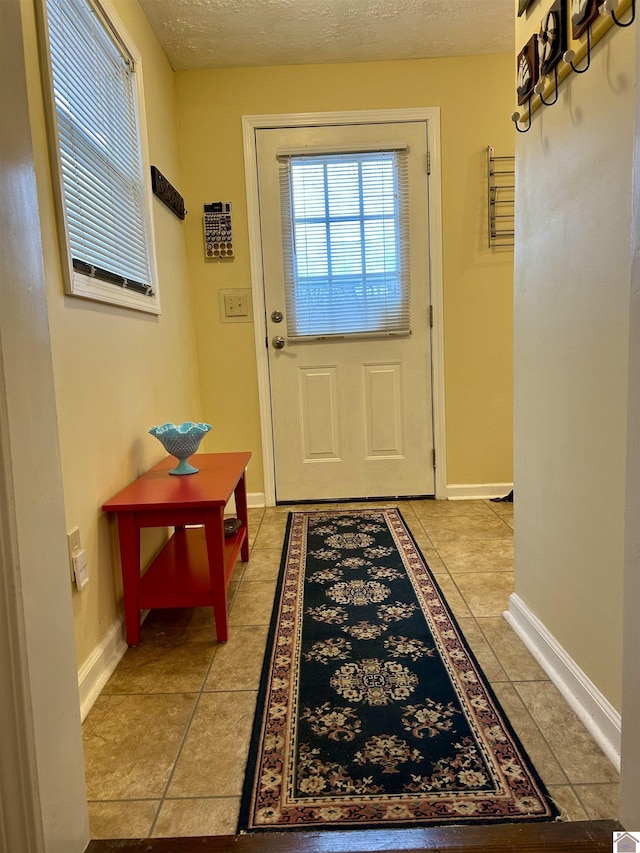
(250, 124)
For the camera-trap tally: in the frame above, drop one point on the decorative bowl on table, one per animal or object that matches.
(181, 441)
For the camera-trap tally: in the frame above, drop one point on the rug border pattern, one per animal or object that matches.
(279, 687)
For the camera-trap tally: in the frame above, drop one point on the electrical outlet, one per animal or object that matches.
(75, 546)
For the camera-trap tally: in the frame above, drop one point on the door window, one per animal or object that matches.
(345, 235)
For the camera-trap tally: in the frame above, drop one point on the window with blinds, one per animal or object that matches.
(345, 226)
(103, 191)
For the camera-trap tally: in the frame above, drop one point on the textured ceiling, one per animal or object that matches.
(225, 33)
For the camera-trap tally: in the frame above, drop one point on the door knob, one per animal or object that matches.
(277, 316)
(278, 342)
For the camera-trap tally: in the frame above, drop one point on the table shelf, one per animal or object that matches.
(179, 576)
(194, 566)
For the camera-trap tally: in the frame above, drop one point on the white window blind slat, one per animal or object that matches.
(101, 164)
(345, 225)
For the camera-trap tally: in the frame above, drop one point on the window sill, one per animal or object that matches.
(91, 288)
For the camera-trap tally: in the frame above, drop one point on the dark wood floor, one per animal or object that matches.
(569, 837)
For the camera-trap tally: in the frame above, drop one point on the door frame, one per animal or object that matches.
(250, 125)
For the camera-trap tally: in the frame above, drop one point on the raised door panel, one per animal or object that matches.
(384, 421)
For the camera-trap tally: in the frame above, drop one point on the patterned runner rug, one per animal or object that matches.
(372, 709)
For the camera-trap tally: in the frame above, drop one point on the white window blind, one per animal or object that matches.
(100, 160)
(345, 225)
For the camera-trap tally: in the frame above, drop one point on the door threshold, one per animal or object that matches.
(356, 500)
(556, 837)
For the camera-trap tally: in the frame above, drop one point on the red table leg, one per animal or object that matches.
(241, 511)
(214, 534)
(129, 537)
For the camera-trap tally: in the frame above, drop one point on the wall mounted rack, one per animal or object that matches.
(501, 178)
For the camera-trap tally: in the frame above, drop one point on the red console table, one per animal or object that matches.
(194, 567)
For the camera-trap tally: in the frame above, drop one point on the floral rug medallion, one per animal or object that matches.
(372, 709)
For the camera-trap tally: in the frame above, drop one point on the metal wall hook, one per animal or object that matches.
(570, 55)
(515, 118)
(609, 7)
(539, 88)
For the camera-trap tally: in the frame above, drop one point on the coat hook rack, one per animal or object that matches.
(570, 55)
(501, 196)
(539, 88)
(515, 118)
(528, 58)
(609, 7)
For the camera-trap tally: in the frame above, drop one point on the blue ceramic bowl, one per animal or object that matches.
(181, 441)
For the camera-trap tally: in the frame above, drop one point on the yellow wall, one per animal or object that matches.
(117, 372)
(571, 357)
(475, 96)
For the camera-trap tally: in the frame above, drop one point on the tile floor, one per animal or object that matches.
(166, 742)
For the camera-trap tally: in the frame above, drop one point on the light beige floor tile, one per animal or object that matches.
(213, 758)
(518, 662)
(602, 802)
(575, 749)
(186, 818)
(487, 593)
(430, 509)
(432, 558)
(477, 555)
(454, 599)
(504, 509)
(282, 511)
(122, 818)
(131, 744)
(532, 739)
(489, 663)
(271, 534)
(238, 571)
(445, 529)
(412, 520)
(415, 525)
(180, 618)
(275, 522)
(429, 553)
(232, 592)
(269, 538)
(238, 663)
(253, 603)
(407, 512)
(192, 618)
(172, 661)
(264, 565)
(255, 516)
(569, 805)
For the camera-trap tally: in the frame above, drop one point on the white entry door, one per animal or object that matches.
(344, 224)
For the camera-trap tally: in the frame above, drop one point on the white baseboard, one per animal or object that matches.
(100, 665)
(255, 500)
(459, 492)
(595, 711)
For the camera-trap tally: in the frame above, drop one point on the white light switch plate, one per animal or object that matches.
(236, 305)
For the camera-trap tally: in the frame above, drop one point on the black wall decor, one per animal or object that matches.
(528, 70)
(523, 5)
(552, 39)
(167, 193)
